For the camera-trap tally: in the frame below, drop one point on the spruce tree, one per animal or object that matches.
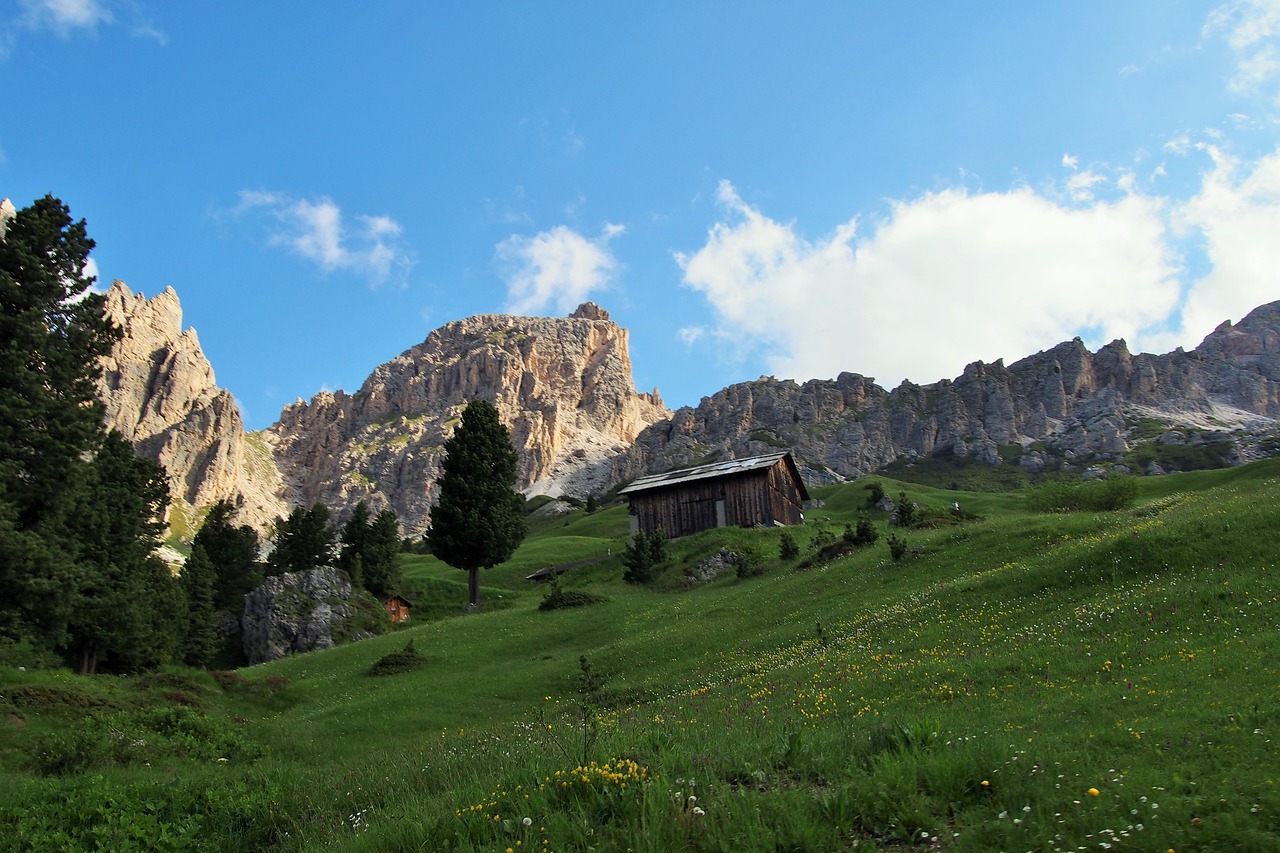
(53, 332)
(381, 555)
(126, 606)
(478, 520)
(233, 552)
(303, 541)
(199, 578)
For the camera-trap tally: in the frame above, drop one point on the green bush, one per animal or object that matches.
(558, 597)
(787, 547)
(1103, 495)
(644, 554)
(897, 548)
(124, 738)
(401, 660)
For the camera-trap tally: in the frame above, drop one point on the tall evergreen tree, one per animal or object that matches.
(303, 541)
(478, 520)
(382, 555)
(199, 579)
(126, 605)
(233, 551)
(354, 534)
(52, 334)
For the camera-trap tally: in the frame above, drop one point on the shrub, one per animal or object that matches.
(897, 548)
(746, 560)
(644, 554)
(787, 547)
(907, 513)
(402, 660)
(1104, 495)
(876, 492)
(866, 533)
(557, 597)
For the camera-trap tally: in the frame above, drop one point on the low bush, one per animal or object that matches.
(401, 660)
(558, 597)
(1103, 495)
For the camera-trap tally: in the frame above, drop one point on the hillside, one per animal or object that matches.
(1026, 681)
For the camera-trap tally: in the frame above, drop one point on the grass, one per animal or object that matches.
(1027, 681)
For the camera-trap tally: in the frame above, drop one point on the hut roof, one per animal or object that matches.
(715, 470)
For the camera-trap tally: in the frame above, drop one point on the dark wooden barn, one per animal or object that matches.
(743, 492)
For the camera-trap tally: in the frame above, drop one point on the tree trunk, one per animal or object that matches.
(89, 659)
(473, 586)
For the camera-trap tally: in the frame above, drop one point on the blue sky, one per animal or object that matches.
(796, 189)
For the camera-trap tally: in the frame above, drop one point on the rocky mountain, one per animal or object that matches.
(160, 393)
(563, 387)
(1065, 406)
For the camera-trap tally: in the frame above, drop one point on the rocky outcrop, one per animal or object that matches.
(300, 612)
(563, 387)
(1063, 405)
(160, 393)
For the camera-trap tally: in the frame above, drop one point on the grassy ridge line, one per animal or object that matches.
(1133, 653)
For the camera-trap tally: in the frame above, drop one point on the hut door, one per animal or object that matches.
(720, 522)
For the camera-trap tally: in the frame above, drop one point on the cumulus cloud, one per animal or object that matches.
(558, 268)
(1252, 29)
(946, 277)
(1235, 217)
(314, 229)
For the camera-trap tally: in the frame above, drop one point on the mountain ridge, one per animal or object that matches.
(565, 389)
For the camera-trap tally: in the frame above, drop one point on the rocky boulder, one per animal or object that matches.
(300, 612)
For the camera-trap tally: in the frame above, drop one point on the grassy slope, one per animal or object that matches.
(1132, 653)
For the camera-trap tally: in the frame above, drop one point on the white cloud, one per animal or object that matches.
(1236, 213)
(948, 277)
(1070, 161)
(689, 335)
(1252, 29)
(559, 268)
(63, 16)
(1080, 185)
(314, 229)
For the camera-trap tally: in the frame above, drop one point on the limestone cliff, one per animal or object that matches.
(159, 392)
(563, 387)
(1064, 406)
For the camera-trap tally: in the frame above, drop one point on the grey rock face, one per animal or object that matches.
(1067, 401)
(296, 612)
(563, 387)
(159, 391)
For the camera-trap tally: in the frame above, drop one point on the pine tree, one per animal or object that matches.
(354, 534)
(233, 551)
(199, 578)
(478, 520)
(126, 605)
(381, 554)
(52, 334)
(304, 541)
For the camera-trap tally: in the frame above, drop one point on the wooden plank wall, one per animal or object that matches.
(751, 498)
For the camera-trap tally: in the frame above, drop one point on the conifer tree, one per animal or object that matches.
(233, 552)
(52, 334)
(199, 578)
(478, 520)
(304, 541)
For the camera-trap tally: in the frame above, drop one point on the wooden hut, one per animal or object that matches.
(743, 492)
(397, 608)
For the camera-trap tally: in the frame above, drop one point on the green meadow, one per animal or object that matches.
(1020, 680)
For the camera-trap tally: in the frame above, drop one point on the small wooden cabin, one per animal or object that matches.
(397, 608)
(742, 492)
